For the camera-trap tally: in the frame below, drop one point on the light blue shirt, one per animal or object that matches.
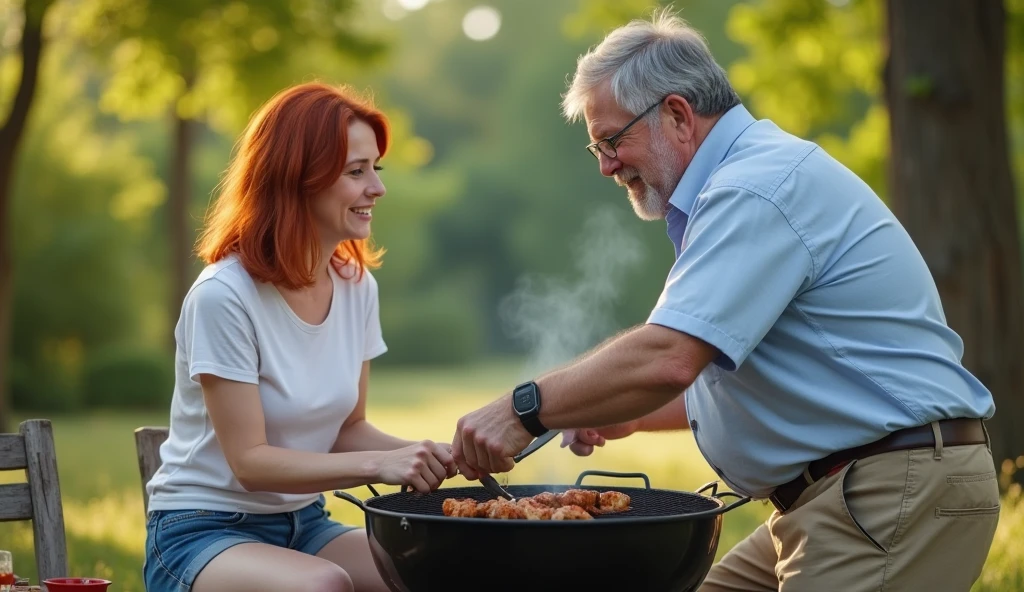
(828, 321)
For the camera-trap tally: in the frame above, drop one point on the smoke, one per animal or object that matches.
(558, 319)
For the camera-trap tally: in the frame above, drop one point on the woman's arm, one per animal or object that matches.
(357, 434)
(238, 421)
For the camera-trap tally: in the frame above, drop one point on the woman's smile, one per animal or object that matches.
(363, 213)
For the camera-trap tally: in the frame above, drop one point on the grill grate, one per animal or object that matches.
(643, 502)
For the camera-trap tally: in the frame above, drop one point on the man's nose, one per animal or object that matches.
(609, 165)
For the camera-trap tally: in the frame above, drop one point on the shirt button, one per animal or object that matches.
(693, 424)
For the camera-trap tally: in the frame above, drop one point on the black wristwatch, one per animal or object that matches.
(526, 404)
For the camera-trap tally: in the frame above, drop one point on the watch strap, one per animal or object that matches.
(529, 419)
(533, 425)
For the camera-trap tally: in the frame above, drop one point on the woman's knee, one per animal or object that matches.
(327, 577)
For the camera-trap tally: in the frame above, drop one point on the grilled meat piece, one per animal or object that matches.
(571, 512)
(547, 499)
(543, 506)
(578, 497)
(611, 502)
(534, 510)
(502, 509)
(459, 508)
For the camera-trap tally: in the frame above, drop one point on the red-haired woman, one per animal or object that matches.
(272, 363)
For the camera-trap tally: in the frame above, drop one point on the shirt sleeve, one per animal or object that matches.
(373, 344)
(741, 265)
(218, 336)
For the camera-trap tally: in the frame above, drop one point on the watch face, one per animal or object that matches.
(524, 399)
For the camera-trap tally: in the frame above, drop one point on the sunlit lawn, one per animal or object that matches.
(103, 506)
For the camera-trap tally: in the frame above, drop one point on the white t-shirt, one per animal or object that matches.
(237, 328)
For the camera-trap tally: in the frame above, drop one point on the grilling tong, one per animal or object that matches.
(492, 486)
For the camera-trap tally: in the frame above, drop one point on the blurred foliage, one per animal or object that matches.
(487, 184)
(82, 203)
(126, 377)
(815, 68)
(216, 57)
(1004, 569)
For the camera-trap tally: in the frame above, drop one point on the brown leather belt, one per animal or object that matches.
(955, 432)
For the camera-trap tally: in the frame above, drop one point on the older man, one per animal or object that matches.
(801, 325)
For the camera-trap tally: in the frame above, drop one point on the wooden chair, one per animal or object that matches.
(147, 448)
(39, 499)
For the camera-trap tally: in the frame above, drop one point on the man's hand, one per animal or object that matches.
(487, 439)
(583, 441)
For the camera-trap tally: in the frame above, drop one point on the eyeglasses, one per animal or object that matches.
(607, 145)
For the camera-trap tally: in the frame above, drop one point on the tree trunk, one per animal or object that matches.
(179, 203)
(951, 186)
(10, 137)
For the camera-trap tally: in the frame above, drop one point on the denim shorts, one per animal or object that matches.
(180, 543)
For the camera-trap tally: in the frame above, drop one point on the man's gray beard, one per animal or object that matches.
(652, 204)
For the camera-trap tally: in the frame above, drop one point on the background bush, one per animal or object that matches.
(128, 378)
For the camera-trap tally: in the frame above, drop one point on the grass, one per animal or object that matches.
(102, 494)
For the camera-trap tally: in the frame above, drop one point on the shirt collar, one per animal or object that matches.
(710, 154)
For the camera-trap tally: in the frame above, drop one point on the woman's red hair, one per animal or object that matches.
(294, 148)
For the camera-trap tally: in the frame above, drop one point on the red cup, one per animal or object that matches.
(76, 584)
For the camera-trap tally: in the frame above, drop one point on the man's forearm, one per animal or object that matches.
(628, 378)
(670, 417)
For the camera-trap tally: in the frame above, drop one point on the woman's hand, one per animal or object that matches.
(583, 441)
(423, 465)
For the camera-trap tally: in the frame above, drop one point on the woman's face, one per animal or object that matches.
(344, 210)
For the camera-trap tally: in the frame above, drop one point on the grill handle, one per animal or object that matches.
(647, 480)
(713, 486)
(348, 497)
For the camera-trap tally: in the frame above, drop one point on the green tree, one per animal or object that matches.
(11, 133)
(82, 234)
(815, 69)
(952, 186)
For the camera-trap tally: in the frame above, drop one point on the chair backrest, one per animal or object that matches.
(39, 499)
(147, 447)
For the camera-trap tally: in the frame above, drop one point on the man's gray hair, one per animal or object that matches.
(647, 61)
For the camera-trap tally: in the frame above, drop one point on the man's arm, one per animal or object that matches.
(625, 379)
(670, 417)
(633, 376)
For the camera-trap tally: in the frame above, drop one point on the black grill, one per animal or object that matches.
(643, 502)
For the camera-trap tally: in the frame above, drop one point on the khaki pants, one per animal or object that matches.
(908, 520)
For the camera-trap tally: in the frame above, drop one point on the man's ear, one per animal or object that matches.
(683, 121)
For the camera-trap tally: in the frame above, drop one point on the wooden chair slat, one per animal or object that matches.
(147, 447)
(15, 502)
(12, 452)
(47, 509)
